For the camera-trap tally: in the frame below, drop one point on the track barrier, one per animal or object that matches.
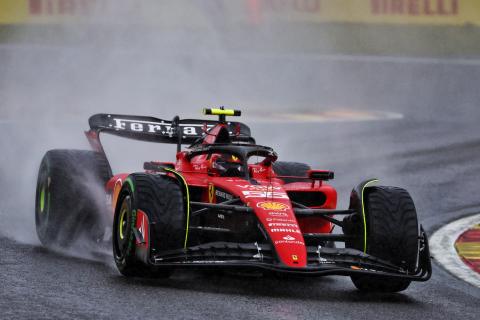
(255, 12)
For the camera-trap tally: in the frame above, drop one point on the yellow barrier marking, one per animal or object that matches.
(167, 13)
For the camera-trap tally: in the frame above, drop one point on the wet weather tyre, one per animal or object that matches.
(70, 196)
(392, 235)
(162, 200)
(291, 169)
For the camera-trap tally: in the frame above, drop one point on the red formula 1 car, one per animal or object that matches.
(226, 203)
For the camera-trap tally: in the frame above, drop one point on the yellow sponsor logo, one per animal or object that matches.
(211, 193)
(271, 205)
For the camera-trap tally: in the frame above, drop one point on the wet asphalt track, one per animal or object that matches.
(433, 152)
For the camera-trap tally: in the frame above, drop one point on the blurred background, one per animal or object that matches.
(346, 85)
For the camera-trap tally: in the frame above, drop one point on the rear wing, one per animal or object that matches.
(162, 131)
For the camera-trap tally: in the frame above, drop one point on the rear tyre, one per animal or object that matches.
(392, 235)
(292, 169)
(161, 199)
(70, 196)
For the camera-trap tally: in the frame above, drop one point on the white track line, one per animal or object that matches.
(443, 250)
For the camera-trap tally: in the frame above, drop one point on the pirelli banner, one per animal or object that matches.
(171, 13)
(430, 12)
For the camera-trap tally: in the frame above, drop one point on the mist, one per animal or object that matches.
(163, 58)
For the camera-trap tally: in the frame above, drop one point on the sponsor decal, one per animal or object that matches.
(420, 8)
(199, 167)
(289, 242)
(142, 227)
(258, 188)
(223, 195)
(281, 220)
(289, 238)
(272, 205)
(265, 194)
(211, 193)
(258, 170)
(281, 224)
(162, 127)
(277, 230)
(278, 214)
(141, 224)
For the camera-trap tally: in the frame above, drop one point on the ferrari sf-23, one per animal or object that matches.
(226, 203)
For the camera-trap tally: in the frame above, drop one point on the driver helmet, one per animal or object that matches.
(228, 165)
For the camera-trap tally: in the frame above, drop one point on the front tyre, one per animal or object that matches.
(161, 199)
(392, 235)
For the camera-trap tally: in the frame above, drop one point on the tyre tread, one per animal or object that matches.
(392, 235)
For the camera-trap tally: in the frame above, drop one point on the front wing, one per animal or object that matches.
(322, 261)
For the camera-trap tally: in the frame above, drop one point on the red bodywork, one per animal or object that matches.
(269, 198)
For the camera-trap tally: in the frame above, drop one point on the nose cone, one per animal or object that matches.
(279, 221)
(273, 209)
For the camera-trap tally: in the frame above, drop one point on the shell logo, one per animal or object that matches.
(271, 205)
